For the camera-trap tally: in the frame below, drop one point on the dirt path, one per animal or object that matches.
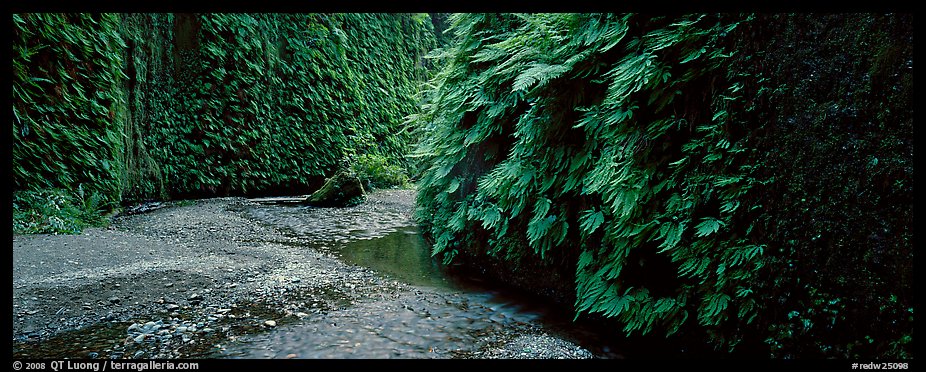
(217, 279)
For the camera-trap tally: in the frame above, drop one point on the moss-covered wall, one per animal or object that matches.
(835, 108)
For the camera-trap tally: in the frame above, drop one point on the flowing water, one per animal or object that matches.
(450, 316)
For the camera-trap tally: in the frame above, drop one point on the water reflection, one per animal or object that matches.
(402, 254)
(459, 315)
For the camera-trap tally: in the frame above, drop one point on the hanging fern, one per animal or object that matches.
(281, 100)
(146, 106)
(578, 135)
(67, 104)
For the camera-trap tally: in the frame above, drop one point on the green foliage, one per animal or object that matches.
(439, 20)
(376, 171)
(56, 211)
(839, 141)
(149, 106)
(588, 129)
(148, 41)
(705, 174)
(66, 104)
(279, 100)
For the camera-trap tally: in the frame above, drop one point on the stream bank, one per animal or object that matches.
(231, 278)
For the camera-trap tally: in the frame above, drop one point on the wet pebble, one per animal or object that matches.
(172, 335)
(151, 327)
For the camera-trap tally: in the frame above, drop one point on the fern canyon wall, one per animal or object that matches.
(133, 107)
(744, 181)
(738, 183)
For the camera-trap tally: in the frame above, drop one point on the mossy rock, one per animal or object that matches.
(344, 189)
